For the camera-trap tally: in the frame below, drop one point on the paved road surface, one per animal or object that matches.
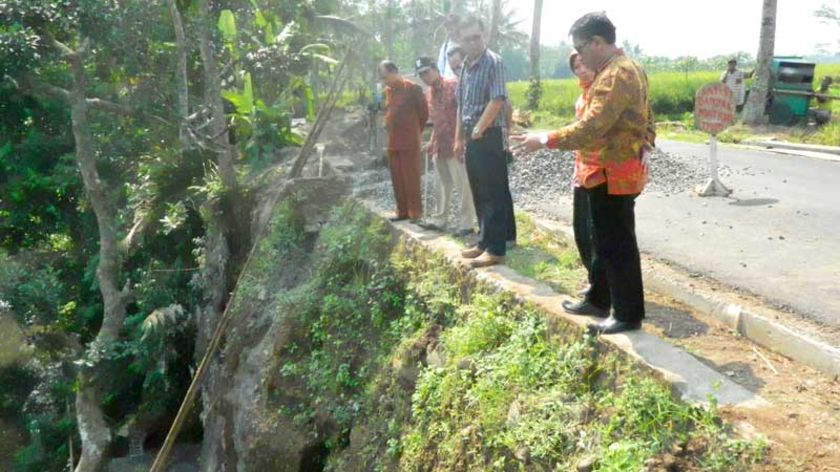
(777, 236)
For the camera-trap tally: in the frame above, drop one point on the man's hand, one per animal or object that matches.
(428, 147)
(526, 143)
(477, 133)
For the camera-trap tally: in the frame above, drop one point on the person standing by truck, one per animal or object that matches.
(736, 81)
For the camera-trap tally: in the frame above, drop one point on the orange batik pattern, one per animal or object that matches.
(615, 126)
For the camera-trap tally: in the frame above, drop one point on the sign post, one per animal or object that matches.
(714, 111)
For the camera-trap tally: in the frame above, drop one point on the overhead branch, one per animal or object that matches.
(34, 85)
(106, 105)
(113, 107)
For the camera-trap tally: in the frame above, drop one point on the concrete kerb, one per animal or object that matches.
(791, 152)
(692, 380)
(753, 326)
(835, 150)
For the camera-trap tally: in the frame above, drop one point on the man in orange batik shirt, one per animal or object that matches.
(612, 136)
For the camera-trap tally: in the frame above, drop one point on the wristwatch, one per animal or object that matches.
(544, 139)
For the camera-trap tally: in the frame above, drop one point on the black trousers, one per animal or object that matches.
(511, 217)
(582, 224)
(488, 174)
(615, 272)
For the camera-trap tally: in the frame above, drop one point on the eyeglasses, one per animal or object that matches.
(473, 38)
(579, 47)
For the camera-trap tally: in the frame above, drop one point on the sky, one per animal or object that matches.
(701, 28)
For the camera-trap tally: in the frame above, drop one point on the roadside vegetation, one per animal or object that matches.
(417, 374)
(672, 99)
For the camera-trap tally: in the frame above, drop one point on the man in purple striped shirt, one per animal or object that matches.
(482, 97)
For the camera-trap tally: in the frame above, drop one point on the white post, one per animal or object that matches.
(714, 187)
(320, 148)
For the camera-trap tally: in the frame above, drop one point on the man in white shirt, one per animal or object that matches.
(451, 23)
(736, 81)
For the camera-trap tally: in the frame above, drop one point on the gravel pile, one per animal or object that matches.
(375, 185)
(549, 172)
(546, 175)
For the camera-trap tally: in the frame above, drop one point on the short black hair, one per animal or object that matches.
(594, 24)
(426, 61)
(456, 50)
(473, 20)
(389, 66)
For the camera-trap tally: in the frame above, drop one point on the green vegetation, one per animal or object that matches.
(135, 141)
(672, 95)
(126, 255)
(545, 257)
(672, 99)
(420, 376)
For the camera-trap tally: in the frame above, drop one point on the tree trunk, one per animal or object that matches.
(535, 40)
(495, 21)
(181, 74)
(213, 97)
(92, 427)
(389, 29)
(414, 24)
(754, 109)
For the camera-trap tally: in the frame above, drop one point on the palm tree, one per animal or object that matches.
(754, 110)
(495, 21)
(535, 40)
(508, 33)
(535, 87)
(830, 15)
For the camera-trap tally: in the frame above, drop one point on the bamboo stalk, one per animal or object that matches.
(159, 464)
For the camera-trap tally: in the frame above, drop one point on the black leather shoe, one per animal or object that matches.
(398, 218)
(429, 226)
(584, 308)
(613, 326)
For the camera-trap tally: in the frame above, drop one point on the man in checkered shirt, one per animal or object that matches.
(482, 121)
(736, 81)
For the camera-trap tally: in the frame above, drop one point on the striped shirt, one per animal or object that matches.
(735, 82)
(481, 82)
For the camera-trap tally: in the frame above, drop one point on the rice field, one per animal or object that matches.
(672, 98)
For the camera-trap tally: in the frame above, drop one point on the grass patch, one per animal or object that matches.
(418, 374)
(672, 99)
(672, 94)
(522, 399)
(545, 257)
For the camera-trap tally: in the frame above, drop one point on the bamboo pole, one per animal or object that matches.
(159, 464)
(324, 113)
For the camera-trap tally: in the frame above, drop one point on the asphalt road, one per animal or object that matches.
(777, 235)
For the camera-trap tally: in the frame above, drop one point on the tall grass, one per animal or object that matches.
(672, 94)
(672, 99)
